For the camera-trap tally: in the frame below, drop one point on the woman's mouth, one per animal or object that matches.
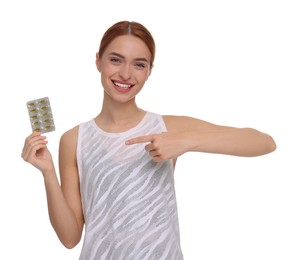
(123, 87)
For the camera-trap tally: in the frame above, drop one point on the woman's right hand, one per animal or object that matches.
(35, 152)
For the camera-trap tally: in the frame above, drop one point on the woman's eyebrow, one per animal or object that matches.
(123, 57)
(141, 59)
(116, 54)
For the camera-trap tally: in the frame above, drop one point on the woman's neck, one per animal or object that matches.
(116, 116)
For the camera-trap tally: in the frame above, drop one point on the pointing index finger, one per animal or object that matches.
(140, 139)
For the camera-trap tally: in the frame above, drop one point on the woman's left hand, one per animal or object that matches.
(161, 147)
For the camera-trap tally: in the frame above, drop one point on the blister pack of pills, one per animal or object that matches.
(40, 114)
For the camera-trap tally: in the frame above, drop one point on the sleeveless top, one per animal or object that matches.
(129, 201)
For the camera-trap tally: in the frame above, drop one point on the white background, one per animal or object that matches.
(227, 62)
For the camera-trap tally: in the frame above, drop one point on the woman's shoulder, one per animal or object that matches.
(174, 120)
(178, 123)
(70, 136)
(72, 133)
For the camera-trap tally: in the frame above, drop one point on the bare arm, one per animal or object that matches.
(186, 134)
(207, 137)
(65, 211)
(70, 232)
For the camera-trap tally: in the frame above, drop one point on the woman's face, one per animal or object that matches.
(124, 67)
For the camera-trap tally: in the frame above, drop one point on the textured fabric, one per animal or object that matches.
(129, 201)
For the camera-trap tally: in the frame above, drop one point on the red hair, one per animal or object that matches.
(128, 28)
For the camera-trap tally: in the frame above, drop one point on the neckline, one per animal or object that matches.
(128, 131)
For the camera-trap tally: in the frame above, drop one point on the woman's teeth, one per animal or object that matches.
(122, 85)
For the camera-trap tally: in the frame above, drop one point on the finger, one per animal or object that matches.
(29, 155)
(150, 147)
(140, 139)
(32, 136)
(32, 140)
(32, 144)
(156, 159)
(154, 153)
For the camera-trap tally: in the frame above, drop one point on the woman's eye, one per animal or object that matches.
(140, 65)
(115, 60)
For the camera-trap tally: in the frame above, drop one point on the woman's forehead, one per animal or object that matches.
(129, 45)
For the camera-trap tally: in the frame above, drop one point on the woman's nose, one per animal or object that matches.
(125, 72)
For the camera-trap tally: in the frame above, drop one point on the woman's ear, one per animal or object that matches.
(98, 65)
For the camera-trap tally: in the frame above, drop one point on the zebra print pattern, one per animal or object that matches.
(129, 201)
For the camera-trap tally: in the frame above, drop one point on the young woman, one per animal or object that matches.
(116, 170)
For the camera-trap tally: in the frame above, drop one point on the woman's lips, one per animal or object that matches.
(122, 87)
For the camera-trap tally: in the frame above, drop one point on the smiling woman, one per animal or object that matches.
(125, 64)
(116, 170)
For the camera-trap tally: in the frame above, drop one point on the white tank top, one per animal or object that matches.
(129, 201)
